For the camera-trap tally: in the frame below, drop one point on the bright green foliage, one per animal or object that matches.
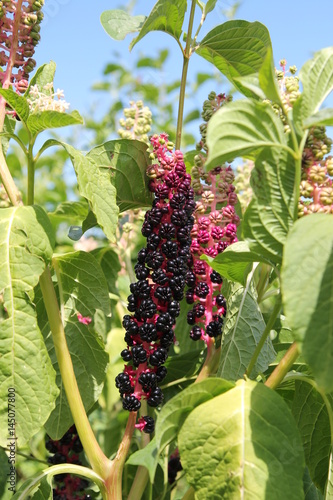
(82, 289)
(44, 75)
(174, 413)
(317, 80)
(243, 328)
(17, 102)
(118, 23)
(148, 456)
(167, 16)
(243, 444)
(26, 245)
(233, 262)
(125, 161)
(237, 49)
(243, 128)
(307, 292)
(37, 122)
(312, 420)
(270, 215)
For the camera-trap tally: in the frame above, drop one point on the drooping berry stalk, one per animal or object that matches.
(214, 230)
(20, 25)
(161, 270)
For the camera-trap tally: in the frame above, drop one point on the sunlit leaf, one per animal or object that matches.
(243, 443)
(118, 23)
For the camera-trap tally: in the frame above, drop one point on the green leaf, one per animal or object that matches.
(317, 81)
(243, 444)
(82, 289)
(70, 210)
(183, 365)
(329, 486)
(307, 272)
(8, 128)
(310, 491)
(210, 5)
(311, 415)
(175, 411)
(125, 162)
(147, 457)
(234, 261)
(267, 78)
(167, 16)
(242, 129)
(44, 120)
(108, 259)
(118, 23)
(251, 83)
(237, 48)
(243, 329)
(269, 216)
(26, 245)
(16, 102)
(43, 76)
(94, 185)
(324, 118)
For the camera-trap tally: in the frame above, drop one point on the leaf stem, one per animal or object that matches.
(99, 462)
(62, 469)
(283, 367)
(186, 60)
(139, 483)
(264, 336)
(114, 480)
(31, 176)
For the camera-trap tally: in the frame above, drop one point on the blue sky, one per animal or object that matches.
(73, 37)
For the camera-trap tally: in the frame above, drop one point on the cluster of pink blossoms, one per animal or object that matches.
(19, 35)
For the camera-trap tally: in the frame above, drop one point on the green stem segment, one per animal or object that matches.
(283, 367)
(99, 462)
(114, 481)
(31, 176)
(264, 336)
(186, 61)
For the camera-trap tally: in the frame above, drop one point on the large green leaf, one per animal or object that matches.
(267, 78)
(237, 48)
(71, 211)
(243, 444)
(269, 216)
(173, 413)
(233, 262)
(94, 185)
(317, 81)
(310, 491)
(26, 245)
(242, 129)
(17, 102)
(148, 457)
(311, 415)
(243, 329)
(44, 120)
(82, 289)
(108, 259)
(118, 23)
(167, 16)
(125, 161)
(43, 76)
(324, 117)
(307, 278)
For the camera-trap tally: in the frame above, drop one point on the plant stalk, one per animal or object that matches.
(186, 60)
(99, 462)
(114, 481)
(283, 367)
(31, 176)
(264, 336)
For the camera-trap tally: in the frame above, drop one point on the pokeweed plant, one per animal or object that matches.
(248, 404)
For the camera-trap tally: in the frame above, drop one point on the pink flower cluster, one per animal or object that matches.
(19, 35)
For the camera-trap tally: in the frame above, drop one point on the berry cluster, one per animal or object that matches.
(215, 228)
(174, 466)
(18, 46)
(161, 275)
(67, 450)
(137, 122)
(316, 188)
